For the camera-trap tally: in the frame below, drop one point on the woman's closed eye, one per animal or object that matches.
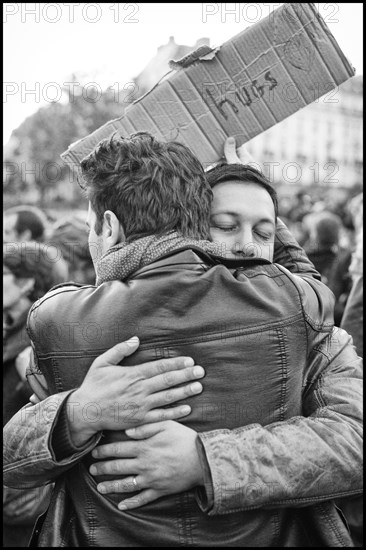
(264, 230)
(224, 227)
(263, 235)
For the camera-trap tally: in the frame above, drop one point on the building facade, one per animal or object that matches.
(319, 145)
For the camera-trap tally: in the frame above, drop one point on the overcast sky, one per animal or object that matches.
(45, 43)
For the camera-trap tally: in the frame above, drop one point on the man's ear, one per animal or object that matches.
(113, 230)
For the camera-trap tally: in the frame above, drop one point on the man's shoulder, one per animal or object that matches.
(71, 284)
(57, 300)
(68, 290)
(69, 299)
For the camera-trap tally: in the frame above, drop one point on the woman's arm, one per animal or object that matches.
(45, 439)
(301, 461)
(298, 462)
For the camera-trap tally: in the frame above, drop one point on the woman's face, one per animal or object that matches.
(243, 220)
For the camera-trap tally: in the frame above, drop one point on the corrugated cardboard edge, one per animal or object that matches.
(332, 39)
(203, 53)
(73, 158)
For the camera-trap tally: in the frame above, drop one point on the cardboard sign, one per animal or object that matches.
(258, 78)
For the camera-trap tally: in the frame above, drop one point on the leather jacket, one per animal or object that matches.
(264, 337)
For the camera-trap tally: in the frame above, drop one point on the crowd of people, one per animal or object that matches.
(38, 253)
(331, 234)
(236, 419)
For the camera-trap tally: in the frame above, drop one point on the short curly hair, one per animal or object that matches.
(151, 186)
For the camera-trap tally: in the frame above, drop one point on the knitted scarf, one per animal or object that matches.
(122, 260)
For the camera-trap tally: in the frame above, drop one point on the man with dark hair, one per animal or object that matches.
(240, 217)
(34, 264)
(224, 172)
(24, 223)
(162, 176)
(253, 324)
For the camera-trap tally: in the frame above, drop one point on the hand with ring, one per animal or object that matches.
(165, 462)
(134, 483)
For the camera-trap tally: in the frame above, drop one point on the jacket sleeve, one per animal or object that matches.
(22, 506)
(36, 380)
(37, 443)
(301, 461)
(29, 459)
(288, 253)
(352, 319)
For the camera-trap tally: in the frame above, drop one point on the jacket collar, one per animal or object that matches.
(195, 255)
